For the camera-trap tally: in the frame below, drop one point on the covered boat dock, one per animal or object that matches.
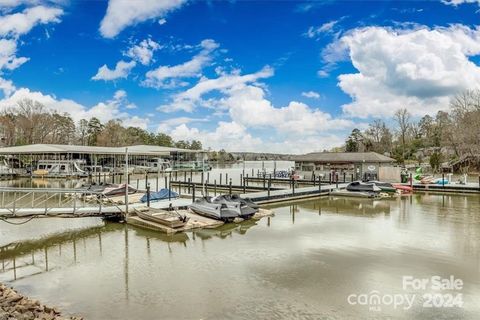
(24, 160)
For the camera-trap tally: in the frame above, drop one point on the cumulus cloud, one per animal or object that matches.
(8, 55)
(121, 71)
(245, 102)
(7, 87)
(143, 52)
(418, 69)
(169, 124)
(167, 76)
(124, 13)
(228, 135)
(311, 94)
(16, 24)
(191, 98)
(104, 111)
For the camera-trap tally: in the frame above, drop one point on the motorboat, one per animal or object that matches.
(117, 190)
(384, 186)
(163, 194)
(223, 210)
(247, 207)
(358, 186)
(170, 219)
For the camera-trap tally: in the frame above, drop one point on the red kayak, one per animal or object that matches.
(403, 188)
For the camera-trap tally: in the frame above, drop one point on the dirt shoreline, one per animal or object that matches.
(14, 305)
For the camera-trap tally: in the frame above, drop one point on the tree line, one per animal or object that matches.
(30, 122)
(444, 137)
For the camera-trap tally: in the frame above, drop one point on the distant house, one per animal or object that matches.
(360, 165)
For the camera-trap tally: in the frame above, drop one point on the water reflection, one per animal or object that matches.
(301, 263)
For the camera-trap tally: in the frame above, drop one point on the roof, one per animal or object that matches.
(60, 148)
(343, 157)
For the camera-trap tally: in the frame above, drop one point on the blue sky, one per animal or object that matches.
(281, 76)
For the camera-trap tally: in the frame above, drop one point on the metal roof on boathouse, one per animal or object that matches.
(76, 149)
(343, 157)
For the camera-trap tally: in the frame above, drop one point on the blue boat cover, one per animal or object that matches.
(160, 195)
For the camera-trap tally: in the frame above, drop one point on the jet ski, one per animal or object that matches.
(358, 186)
(384, 186)
(218, 209)
(247, 207)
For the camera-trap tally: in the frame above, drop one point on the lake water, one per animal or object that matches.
(303, 263)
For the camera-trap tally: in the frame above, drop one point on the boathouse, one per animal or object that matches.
(359, 165)
(72, 159)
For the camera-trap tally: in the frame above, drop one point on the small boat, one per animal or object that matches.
(358, 186)
(163, 194)
(117, 190)
(170, 219)
(403, 188)
(247, 207)
(384, 186)
(223, 210)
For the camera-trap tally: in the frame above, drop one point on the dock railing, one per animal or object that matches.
(13, 200)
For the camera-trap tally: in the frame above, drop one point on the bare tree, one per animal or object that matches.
(402, 117)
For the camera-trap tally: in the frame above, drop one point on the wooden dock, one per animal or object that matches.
(195, 222)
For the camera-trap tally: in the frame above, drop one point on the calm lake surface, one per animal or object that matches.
(301, 264)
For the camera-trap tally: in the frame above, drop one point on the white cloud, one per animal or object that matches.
(244, 101)
(191, 98)
(169, 124)
(8, 58)
(104, 111)
(143, 52)
(124, 13)
(458, 2)
(311, 94)
(16, 24)
(327, 27)
(7, 87)
(230, 136)
(167, 76)
(121, 71)
(162, 21)
(418, 69)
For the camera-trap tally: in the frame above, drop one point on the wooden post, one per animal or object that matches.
(443, 180)
(344, 178)
(220, 179)
(193, 191)
(189, 182)
(336, 179)
(226, 177)
(319, 183)
(230, 187)
(156, 179)
(293, 186)
(245, 187)
(191, 175)
(148, 195)
(411, 180)
(165, 182)
(215, 187)
(269, 186)
(185, 176)
(146, 180)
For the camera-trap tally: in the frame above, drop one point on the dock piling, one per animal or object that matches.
(230, 187)
(148, 195)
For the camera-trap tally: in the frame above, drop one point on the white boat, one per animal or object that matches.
(60, 168)
(152, 165)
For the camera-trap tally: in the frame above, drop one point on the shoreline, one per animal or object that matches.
(15, 306)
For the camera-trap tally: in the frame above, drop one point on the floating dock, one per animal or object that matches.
(195, 222)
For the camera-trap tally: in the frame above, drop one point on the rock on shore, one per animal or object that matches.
(15, 306)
